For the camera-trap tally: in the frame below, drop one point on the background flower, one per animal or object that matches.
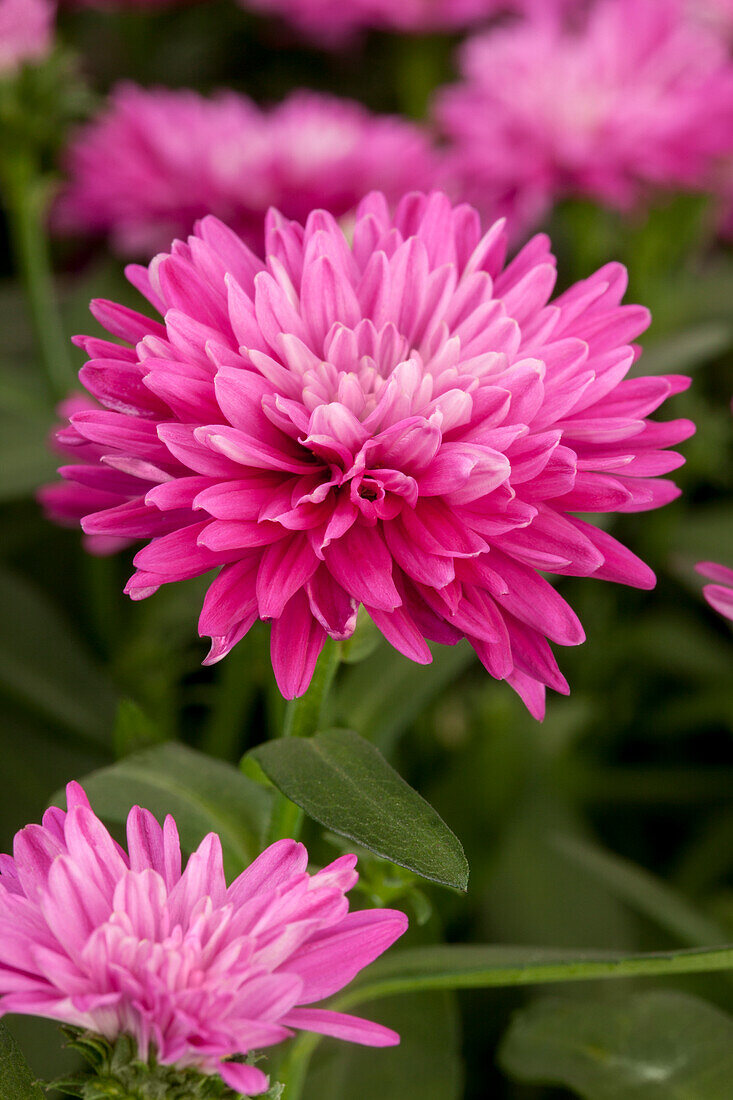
(333, 20)
(154, 161)
(132, 944)
(637, 96)
(401, 423)
(26, 31)
(720, 594)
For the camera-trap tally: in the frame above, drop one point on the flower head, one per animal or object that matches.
(131, 944)
(26, 31)
(396, 420)
(720, 594)
(155, 161)
(636, 96)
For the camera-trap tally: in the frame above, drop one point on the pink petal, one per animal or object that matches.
(247, 1080)
(331, 959)
(351, 1028)
(297, 639)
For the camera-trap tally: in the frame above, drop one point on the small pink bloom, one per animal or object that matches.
(720, 594)
(155, 161)
(26, 31)
(396, 419)
(131, 943)
(635, 97)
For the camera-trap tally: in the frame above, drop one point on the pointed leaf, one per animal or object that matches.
(202, 794)
(17, 1081)
(345, 783)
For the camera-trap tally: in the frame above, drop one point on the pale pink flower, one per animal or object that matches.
(395, 419)
(131, 944)
(156, 160)
(720, 594)
(26, 31)
(634, 98)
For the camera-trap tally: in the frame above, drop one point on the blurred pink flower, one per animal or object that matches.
(155, 161)
(395, 419)
(67, 502)
(720, 594)
(331, 21)
(635, 97)
(26, 31)
(120, 4)
(130, 944)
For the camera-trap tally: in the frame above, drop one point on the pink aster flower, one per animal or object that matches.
(720, 594)
(26, 31)
(131, 944)
(637, 96)
(155, 161)
(396, 419)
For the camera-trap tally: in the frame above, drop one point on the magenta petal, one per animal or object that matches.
(331, 959)
(247, 1080)
(715, 572)
(361, 563)
(285, 567)
(720, 599)
(351, 1028)
(331, 605)
(297, 639)
(281, 861)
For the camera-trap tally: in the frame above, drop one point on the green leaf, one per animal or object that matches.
(426, 1064)
(478, 966)
(44, 665)
(17, 1081)
(202, 794)
(649, 1046)
(346, 784)
(642, 891)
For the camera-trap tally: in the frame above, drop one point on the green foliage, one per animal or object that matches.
(202, 794)
(473, 966)
(47, 668)
(16, 1077)
(116, 1073)
(343, 782)
(649, 1046)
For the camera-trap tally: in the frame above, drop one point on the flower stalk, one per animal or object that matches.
(303, 717)
(26, 194)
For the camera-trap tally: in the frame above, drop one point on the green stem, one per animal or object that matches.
(302, 718)
(26, 199)
(420, 67)
(416, 977)
(294, 1068)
